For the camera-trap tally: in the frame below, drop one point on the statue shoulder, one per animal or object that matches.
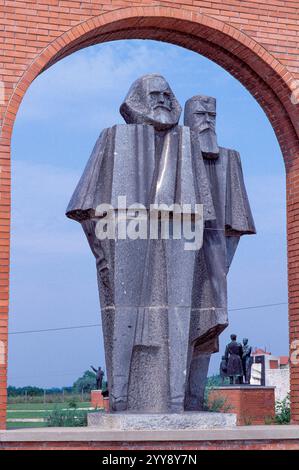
(230, 157)
(230, 153)
(120, 131)
(101, 139)
(130, 126)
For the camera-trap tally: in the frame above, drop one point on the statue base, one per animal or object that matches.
(252, 404)
(127, 421)
(98, 401)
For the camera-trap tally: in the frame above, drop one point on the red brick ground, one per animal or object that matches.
(266, 444)
(256, 41)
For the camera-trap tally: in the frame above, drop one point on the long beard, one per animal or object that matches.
(208, 143)
(162, 116)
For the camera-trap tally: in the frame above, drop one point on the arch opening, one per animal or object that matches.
(232, 143)
(264, 77)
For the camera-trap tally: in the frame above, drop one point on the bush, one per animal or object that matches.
(283, 411)
(216, 381)
(67, 418)
(217, 405)
(72, 404)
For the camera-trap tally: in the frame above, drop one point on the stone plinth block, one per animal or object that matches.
(160, 421)
(98, 401)
(252, 404)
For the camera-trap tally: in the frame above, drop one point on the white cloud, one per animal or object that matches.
(99, 74)
(95, 81)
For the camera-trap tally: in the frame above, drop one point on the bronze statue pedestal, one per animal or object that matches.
(98, 401)
(252, 404)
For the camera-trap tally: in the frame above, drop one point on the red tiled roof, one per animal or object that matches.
(284, 360)
(259, 351)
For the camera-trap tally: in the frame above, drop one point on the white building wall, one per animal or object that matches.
(256, 374)
(280, 379)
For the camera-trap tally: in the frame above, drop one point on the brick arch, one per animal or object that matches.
(260, 72)
(253, 64)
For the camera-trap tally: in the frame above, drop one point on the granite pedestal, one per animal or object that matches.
(161, 421)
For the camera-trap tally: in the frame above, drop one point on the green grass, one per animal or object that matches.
(25, 425)
(26, 414)
(44, 406)
(35, 410)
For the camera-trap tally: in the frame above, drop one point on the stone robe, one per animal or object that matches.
(145, 286)
(221, 237)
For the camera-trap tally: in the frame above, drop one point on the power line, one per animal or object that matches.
(54, 329)
(99, 324)
(50, 374)
(257, 306)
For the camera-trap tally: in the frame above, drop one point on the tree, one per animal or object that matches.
(28, 390)
(215, 381)
(86, 383)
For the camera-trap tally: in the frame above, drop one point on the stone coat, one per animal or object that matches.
(145, 286)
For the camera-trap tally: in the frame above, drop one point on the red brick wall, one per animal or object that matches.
(98, 401)
(252, 405)
(242, 444)
(273, 364)
(255, 40)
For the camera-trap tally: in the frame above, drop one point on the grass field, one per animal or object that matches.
(28, 411)
(45, 406)
(24, 425)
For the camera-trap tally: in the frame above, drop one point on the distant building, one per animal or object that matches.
(272, 371)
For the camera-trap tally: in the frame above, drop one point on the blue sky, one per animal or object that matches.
(53, 279)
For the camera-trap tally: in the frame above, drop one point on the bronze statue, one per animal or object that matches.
(233, 356)
(247, 361)
(223, 369)
(99, 377)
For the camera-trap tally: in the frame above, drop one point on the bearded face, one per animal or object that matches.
(151, 101)
(159, 101)
(200, 116)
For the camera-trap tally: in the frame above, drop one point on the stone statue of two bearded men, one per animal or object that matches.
(163, 304)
